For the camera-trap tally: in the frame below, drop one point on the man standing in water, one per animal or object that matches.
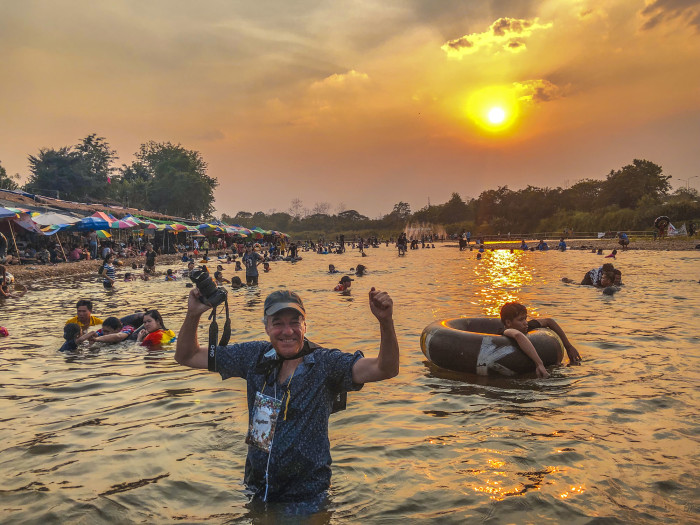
(293, 387)
(84, 319)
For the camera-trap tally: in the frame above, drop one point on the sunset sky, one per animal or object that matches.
(364, 103)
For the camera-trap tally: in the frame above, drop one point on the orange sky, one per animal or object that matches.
(360, 104)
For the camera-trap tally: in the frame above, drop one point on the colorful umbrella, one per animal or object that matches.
(6, 213)
(91, 223)
(103, 234)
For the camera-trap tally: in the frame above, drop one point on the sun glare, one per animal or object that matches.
(496, 115)
(493, 109)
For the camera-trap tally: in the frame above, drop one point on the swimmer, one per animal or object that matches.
(127, 277)
(478, 256)
(612, 254)
(514, 319)
(169, 275)
(188, 271)
(236, 282)
(154, 332)
(238, 266)
(331, 269)
(5, 280)
(344, 284)
(84, 319)
(360, 270)
(266, 266)
(71, 333)
(112, 331)
(219, 278)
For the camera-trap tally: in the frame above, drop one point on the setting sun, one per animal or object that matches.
(493, 109)
(496, 115)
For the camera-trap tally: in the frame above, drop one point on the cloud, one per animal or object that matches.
(508, 34)
(537, 91)
(659, 11)
(351, 79)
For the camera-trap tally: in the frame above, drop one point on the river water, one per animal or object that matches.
(120, 435)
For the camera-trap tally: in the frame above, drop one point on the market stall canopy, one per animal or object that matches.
(54, 219)
(92, 223)
(6, 213)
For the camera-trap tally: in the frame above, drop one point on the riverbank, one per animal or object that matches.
(667, 244)
(26, 274)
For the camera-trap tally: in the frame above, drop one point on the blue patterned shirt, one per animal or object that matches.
(300, 462)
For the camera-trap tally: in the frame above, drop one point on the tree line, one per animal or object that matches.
(164, 177)
(173, 180)
(629, 198)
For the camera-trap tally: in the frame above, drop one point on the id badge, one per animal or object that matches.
(266, 409)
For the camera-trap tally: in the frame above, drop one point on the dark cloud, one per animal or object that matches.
(509, 25)
(660, 11)
(514, 44)
(460, 43)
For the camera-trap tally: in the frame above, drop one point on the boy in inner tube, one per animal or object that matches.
(514, 319)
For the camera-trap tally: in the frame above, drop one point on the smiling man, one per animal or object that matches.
(293, 386)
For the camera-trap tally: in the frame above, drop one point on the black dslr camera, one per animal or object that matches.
(209, 293)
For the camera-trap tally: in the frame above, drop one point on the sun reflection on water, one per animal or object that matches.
(500, 277)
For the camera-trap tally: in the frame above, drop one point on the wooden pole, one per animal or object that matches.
(15, 242)
(62, 250)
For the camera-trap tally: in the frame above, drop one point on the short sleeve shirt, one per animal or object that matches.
(126, 329)
(300, 462)
(250, 260)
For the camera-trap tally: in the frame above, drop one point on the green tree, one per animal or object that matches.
(61, 171)
(177, 181)
(75, 172)
(454, 210)
(8, 182)
(626, 186)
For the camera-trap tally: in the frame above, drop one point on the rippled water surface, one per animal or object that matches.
(118, 435)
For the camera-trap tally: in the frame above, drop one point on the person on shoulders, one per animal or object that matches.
(293, 386)
(344, 284)
(84, 319)
(514, 319)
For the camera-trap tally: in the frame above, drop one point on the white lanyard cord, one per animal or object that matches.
(269, 454)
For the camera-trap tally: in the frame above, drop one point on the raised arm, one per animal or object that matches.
(574, 356)
(526, 346)
(386, 364)
(187, 349)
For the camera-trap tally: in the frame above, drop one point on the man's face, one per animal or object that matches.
(83, 314)
(286, 330)
(519, 323)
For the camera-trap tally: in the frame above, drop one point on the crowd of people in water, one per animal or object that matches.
(270, 366)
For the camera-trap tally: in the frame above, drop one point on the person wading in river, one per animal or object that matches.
(293, 387)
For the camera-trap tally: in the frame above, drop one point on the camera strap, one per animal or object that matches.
(214, 333)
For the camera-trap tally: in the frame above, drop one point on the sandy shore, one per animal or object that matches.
(37, 272)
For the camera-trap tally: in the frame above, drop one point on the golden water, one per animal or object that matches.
(119, 435)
